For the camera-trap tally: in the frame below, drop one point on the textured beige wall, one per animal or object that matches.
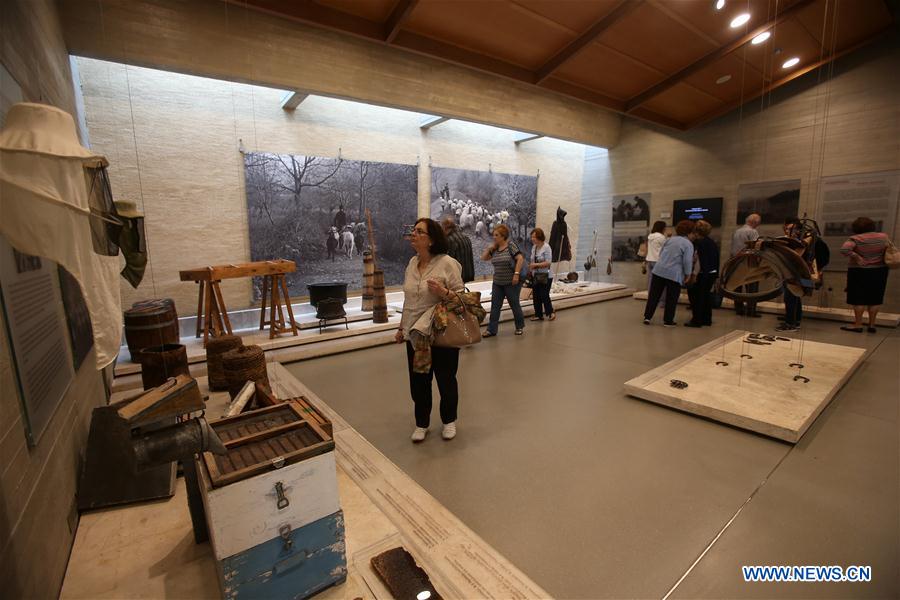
(37, 485)
(172, 141)
(219, 39)
(815, 127)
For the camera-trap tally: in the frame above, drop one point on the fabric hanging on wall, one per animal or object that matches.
(46, 182)
(560, 247)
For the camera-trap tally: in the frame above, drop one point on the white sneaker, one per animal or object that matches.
(449, 431)
(419, 434)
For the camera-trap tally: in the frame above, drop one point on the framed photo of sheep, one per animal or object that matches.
(479, 201)
(311, 209)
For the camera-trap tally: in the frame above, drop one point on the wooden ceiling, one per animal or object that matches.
(657, 60)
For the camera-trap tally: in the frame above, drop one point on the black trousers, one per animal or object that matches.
(444, 363)
(793, 308)
(541, 297)
(672, 289)
(700, 295)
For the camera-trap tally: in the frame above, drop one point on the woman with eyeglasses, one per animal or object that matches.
(431, 276)
(507, 261)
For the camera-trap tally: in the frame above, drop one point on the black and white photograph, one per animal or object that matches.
(773, 201)
(631, 221)
(312, 210)
(479, 201)
(78, 319)
(631, 208)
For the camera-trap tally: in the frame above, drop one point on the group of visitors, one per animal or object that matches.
(443, 264)
(688, 258)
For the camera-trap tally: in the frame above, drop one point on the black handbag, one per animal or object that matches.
(541, 278)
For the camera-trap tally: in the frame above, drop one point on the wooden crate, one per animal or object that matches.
(311, 413)
(263, 500)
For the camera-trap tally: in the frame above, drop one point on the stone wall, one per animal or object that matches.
(172, 141)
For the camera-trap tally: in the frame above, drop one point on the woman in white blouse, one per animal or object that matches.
(431, 276)
(655, 242)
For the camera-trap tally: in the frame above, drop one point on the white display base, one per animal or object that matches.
(383, 508)
(335, 339)
(758, 393)
(845, 315)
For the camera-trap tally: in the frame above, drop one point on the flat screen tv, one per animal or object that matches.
(694, 209)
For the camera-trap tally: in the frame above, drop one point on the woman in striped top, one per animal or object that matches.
(867, 273)
(507, 260)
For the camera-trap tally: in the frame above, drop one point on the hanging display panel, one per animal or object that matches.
(631, 222)
(312, 210)
(773, 201)
(846, 197)
(480, 200)
(36, 326)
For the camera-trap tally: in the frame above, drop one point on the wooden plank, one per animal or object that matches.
(180, 397)
(233, 271)
(200, 286)
(261, 467)
(262, 306)
(287, 303)
(263, 435)
(223, 312)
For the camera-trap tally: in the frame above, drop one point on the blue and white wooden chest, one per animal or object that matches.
(272, 506)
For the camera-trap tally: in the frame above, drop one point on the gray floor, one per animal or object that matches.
(598, 495)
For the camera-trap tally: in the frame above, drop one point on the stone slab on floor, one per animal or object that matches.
(844, 315)
(756, 389)
(383, 508)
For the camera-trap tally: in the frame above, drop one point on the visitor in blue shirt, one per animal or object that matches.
(676, 261)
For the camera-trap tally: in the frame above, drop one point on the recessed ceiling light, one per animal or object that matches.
(740, 20)
(761, 38)
(723, 79)
(790, 63)
(720, 4)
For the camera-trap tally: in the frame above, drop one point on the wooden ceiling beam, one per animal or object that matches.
(313, 13)
(292, 100)
(526, 137)
(576, 91)
(576, 45)
(432, 48)
(712, 57)
(399, 15)
(430, 121)
(794, 75)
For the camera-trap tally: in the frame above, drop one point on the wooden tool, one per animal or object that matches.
(212, 316)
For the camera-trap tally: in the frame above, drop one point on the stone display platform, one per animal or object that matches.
(309, 343)
(383, 508)
(756, 389)
(844, 315)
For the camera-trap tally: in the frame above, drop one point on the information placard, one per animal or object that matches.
(843, 198)
(36, 325)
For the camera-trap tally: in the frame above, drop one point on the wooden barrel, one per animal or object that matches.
(247, 363)
(158, 363)
(215, 348)
(379, 300)
(150, 323)
(368, 281)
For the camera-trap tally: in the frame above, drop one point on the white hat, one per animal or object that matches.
(44, 129)
(127, 209)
